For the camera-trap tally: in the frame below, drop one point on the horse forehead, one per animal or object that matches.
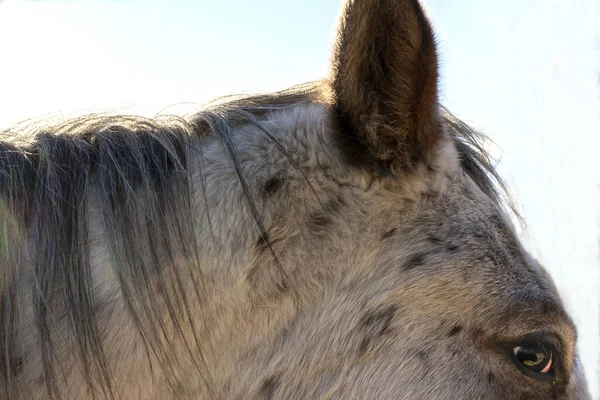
(514, 282)
(462, 217)
(463, 231)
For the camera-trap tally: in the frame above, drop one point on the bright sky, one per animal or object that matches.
(525, 72)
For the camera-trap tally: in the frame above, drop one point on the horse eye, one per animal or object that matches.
(535, 358)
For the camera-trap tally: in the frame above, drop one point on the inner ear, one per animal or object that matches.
(384, 81)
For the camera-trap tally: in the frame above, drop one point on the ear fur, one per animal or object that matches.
(384, 81)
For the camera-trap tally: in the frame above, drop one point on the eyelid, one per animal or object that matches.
(536, 339)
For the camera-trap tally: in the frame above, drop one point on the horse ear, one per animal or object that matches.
(384, 80)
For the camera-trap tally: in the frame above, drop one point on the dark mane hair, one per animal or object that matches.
(50, 174)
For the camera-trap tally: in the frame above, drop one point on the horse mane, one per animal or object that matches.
(138, 169)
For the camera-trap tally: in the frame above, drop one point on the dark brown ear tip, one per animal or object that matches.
(384, 80)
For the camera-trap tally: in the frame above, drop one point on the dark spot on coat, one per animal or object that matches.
(319, 220)
(490, 377)
(17, 366)
(452, 248)
(422, 356)
(261, 244)
(435, 240)
(333, 205)
(419, 258)
(476, 334)
(454, 331)
(272, 185)
(269, 388)
(322, 218)
(374, 326)
(267, 274)
(388, 233)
